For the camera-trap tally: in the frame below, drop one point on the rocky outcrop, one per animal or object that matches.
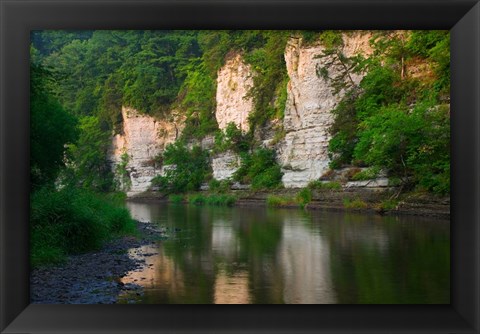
(303, 153)
(234, 81)
(380, 182)
(143, 138)
(224, 165)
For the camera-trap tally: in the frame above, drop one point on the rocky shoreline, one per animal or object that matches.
(94, 277)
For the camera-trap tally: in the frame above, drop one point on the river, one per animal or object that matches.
(239, 255)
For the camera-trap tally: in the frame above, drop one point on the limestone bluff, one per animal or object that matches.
(302, 153)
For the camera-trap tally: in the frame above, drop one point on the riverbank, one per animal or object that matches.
(362, 200)
(94, 277)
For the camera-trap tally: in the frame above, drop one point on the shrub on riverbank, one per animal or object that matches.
(214, 200)
(356, 203)
(217, 186)
(71, 221)
(175, 199)
(279, 201)
(221, 200)
(188, 169)
(260, 169)
(301, 199)
(304, 197)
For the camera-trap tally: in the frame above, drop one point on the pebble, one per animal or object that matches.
(93, 278)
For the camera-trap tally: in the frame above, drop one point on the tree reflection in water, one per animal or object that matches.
(266, 256)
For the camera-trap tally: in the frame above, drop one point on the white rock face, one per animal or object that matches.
(224, 165)
(374, 183)
(144, 138)
(303, 154)
(233, 83)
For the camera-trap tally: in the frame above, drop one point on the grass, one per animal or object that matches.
(217, 186)
(220, 200)
(196, 199)
(213, 200)
(72, 221)
(279, 201)
(175, 199)
(389, 204)
(304, 197)
(354, 204)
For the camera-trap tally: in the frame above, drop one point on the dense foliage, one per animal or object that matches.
(260, 169)
(90, 168)
(398, 119)
(67, 162)
(185, 170)
(232, 138)
(51, 128)
(73, 220)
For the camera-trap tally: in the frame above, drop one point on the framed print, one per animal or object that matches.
(399, 307)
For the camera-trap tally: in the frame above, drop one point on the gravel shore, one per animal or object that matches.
(95, 277)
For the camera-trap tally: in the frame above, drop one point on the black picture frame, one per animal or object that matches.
(19, 17)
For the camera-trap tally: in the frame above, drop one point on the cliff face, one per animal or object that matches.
(234, 80)
(302, 153)
(224, 165)
(143, 138)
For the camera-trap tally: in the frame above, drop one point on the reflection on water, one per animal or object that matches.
(232, 288)
(258, 255)
(305, 262)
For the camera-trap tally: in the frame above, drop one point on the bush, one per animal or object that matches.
(219, 186)
(72, 221)
(304, 197)
(354, 204)
(190, 169)
(389, 204)
(279, 201)
(220, 200)
(231, 138)
(367, 174)
(196, 199)
(268, 179)
(260, 169)
(176, 199)
(214, 200)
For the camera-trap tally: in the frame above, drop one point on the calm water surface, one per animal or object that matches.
(262, 255)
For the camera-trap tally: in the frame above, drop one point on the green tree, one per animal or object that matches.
(51, 128)
(186, 170)
(89, 163)
(394, 120)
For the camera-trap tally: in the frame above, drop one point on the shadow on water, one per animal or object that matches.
(273, 256)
